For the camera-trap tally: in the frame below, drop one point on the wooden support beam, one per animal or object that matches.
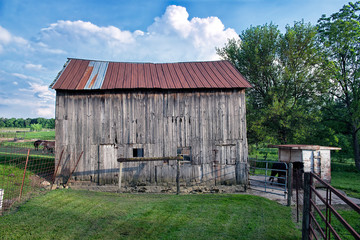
(149, 159)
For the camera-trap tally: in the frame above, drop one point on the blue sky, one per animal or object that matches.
(37, 37)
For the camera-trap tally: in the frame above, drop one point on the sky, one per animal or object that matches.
(37, 37)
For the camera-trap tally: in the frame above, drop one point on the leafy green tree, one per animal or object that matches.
(339, 38)
(285, 72)
(10, 122)
(19, 123)
(50, 123)
(27, 122)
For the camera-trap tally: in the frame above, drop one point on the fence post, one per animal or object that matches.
(306, 207)
(120, 175)
(22, 184)
(1, 199)
(289, 183)
(178, 177)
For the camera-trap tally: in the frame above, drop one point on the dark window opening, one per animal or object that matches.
(138, 152)
(185, 152)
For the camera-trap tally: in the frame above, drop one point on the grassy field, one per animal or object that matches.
(346, 177)
(350, 216)
(69, 214)
(46, 134)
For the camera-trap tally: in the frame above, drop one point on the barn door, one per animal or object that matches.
(224, 166)
(107, 166)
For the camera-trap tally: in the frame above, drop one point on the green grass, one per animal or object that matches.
(11, 179)
(12, 171)
(349, 182)
(69, 214)
(43, 135)
(350, 216)
(346, 177)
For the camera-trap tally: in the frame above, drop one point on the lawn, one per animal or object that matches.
(350, 216)
(70, 214)
(346, 177)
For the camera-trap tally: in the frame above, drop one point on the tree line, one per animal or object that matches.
(27, 123)
(306, 81)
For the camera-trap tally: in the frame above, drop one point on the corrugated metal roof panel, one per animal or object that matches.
(79, 74)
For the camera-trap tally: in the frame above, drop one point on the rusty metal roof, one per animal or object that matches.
(79, 74)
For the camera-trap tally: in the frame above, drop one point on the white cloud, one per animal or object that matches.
(7, 39)
(35, 67)
(5, 36)
(23, 76)
(47, 112)
(170, 38)
(85, 32)
(42, 92)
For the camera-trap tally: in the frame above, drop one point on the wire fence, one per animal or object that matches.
(23, 171)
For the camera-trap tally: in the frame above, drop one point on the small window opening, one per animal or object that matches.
(138, 152)
(185, 152)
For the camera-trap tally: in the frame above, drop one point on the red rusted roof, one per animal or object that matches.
(79, 74)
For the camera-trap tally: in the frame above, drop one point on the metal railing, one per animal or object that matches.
(321, 227)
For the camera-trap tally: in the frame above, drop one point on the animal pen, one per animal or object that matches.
(23, 171)
(114, 110)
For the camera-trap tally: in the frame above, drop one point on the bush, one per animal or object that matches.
(36, 127)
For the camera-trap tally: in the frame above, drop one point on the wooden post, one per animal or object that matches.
(120, 175)
(23, 180)
(178, 177)
(289, 183)
(306, 207)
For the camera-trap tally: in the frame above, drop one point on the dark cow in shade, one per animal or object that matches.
(279, 169)
(37, 143)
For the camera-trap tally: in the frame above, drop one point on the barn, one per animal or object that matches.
(110, 110)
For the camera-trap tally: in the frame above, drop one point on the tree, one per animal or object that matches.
(339, 37)
(27, 122)
(287, 79)
(10, 122)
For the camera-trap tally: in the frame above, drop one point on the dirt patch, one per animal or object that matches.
(36, 181)
(6, 139)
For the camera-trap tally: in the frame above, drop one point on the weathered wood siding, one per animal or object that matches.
(106, 125)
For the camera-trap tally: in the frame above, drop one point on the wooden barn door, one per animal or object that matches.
(225, 164)
(108, 168)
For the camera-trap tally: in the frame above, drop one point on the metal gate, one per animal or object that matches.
(325, 223)
(268, 176)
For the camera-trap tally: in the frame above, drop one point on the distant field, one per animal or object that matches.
(45, 134)
(69, 214)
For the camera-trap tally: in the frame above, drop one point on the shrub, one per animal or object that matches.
(35, 127)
